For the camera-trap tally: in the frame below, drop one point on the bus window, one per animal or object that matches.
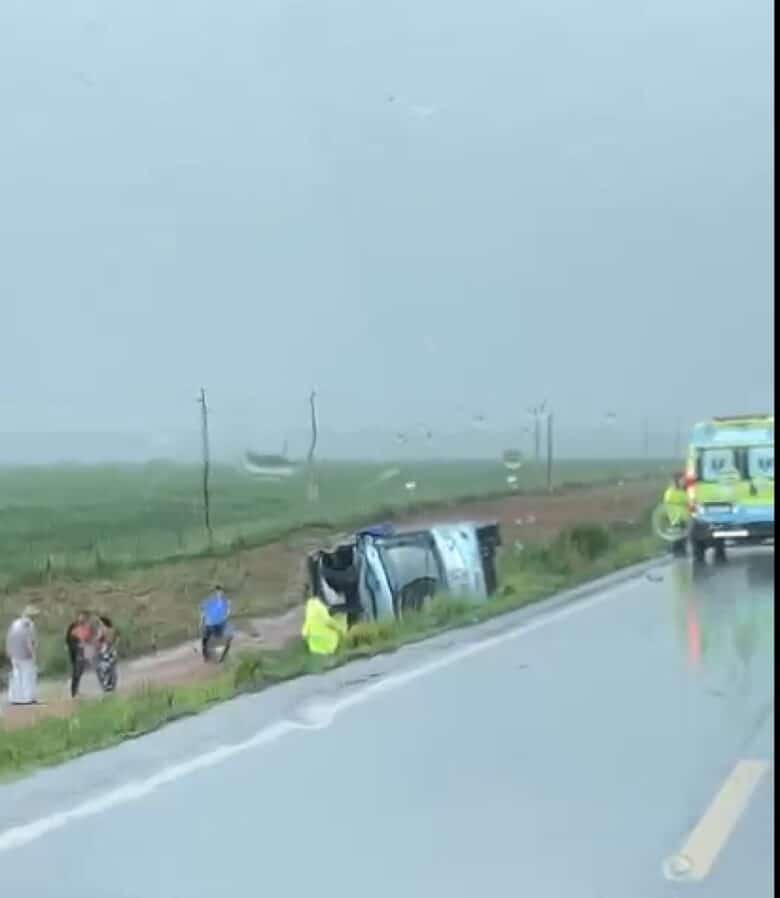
(761, 462)
(716, 463)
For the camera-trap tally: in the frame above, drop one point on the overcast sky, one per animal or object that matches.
(424, 209)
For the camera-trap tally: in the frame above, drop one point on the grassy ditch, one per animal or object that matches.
(578, 554)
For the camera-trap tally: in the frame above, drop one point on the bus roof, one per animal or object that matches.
(744, 420)
(738, 431)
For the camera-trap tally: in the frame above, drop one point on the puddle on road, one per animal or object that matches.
(313, 714)
(358, 681)
(723, 619)
(317, 711)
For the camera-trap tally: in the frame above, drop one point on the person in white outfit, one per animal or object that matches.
(21, 646)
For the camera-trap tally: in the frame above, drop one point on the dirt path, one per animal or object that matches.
(179, 665)
(524, 518)
(182, 664)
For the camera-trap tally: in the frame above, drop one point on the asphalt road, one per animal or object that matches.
(572, 750)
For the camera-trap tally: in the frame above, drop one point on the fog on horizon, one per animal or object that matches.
(431, 213)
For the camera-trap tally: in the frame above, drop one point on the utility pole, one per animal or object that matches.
(537, 439)
(549, 452)
(204, 429)
(313, 486)
(536, 412)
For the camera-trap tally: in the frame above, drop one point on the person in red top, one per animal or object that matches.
(78, 637)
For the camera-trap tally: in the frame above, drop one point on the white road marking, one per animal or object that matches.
(18, 836)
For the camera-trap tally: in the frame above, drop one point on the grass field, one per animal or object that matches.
(76, 521)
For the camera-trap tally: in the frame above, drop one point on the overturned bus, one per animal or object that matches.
(382, 572)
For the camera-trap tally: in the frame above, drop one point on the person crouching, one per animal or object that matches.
(215, 622)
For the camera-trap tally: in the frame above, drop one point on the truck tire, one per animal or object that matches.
(698, 550)
(720, 552)
(415, 595)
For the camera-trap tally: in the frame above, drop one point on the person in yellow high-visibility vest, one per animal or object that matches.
(322, 630)
(676, 505)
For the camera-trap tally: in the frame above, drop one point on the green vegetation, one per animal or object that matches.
(100, 724)
(94, 521)
(576, 555)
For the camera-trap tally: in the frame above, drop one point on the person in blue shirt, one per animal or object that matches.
(215, 622)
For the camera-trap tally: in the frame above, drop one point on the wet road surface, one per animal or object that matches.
(596, 749)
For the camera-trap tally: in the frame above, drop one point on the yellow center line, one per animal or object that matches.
(705, 842)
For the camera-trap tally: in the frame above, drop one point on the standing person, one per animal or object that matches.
(676, 505)
(79, 637)
(107, 657)
(215, 623)
(21, 646)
